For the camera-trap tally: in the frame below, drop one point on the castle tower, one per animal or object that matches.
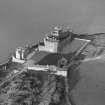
(51, 45)
(19, 53)
(51, 41)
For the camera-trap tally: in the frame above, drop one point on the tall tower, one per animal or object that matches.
(51, 41)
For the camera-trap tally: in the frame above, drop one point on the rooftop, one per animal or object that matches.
(57, 34)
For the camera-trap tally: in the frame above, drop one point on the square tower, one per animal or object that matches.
(52, 40)
(51, 45)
